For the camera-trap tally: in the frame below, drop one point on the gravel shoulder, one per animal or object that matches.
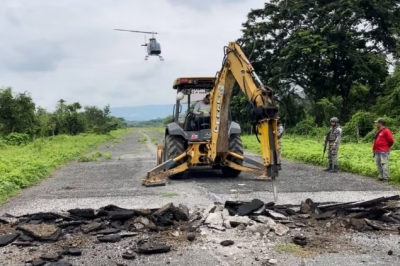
(117, 181)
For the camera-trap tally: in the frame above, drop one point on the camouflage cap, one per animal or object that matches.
(334, 119)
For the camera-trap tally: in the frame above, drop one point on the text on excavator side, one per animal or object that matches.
(220, 93)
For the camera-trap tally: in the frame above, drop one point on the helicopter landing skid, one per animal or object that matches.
(147, 57)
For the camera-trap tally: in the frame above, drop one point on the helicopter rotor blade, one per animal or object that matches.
(148, 32)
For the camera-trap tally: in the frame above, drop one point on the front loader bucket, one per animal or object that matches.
(157, 175)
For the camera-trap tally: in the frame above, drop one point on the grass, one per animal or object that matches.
(293, 249)
(354, 158)
(142, 140)
(149, 129)
(24, 166)
(170, 195)
(154, 141)
(107, 155)
(94, 157)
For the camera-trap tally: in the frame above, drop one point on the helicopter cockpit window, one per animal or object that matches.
(155, 46)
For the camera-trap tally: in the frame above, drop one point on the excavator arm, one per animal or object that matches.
(236, 68)
(174, 157)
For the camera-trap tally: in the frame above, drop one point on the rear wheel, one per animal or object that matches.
(174, 146)
(236, 146)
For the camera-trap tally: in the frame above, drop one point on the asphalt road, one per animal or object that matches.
(117, 181)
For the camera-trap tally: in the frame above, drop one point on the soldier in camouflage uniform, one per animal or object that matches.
(279, 149)
(333, 138)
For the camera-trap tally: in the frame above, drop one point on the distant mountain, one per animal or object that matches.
(145, 112)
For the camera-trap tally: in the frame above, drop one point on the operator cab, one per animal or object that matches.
(190, 91)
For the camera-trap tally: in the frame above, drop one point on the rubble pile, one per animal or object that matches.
(111, 224)
(377, 214)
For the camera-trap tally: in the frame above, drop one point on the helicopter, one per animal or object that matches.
(153, 47)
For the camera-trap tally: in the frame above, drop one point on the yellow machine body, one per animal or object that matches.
(215, 151)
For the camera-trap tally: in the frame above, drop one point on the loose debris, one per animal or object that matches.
(110, 224)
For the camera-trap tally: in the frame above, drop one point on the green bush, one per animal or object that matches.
(307, 127)
(16, 139)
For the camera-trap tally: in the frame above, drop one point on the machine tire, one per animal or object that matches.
(236, 146)
(174, 146)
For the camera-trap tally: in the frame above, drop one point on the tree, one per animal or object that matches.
(167, 120)
(17, 112)
(387, 104)
(325, 47)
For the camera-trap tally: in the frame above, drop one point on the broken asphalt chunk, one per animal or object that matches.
(110, 238)
(300, 240)
(41, 232)
(227, 243)
(60, 263)
(276, 215)
(265, 220)
(71, 223)
(127, 234)
(7, 239)
(22, 244)
(374, 225)
(50, 257)
(83, 213)
(191, 237)
(128, 255)
(142, 212)
(183, 212)
(249, 208)
(313, 206)
(121, 214)
(359, 224)
(304, 208)
(192, 226)
(166, 215)
(153, 248)
(74, 252)
(94, 226)
(38, 262)
(8, 220)
(325, 215)
(107, 231)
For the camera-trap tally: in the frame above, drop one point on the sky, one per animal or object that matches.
(68, 49)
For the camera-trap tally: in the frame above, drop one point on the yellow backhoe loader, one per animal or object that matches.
(216, 141)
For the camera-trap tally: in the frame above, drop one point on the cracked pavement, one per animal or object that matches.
(117, 181)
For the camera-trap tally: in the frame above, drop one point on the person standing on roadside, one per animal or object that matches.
(383, 141)
(334, 138)
(279, 150)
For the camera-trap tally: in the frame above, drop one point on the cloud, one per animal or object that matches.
(69, 50)
(34, 56)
